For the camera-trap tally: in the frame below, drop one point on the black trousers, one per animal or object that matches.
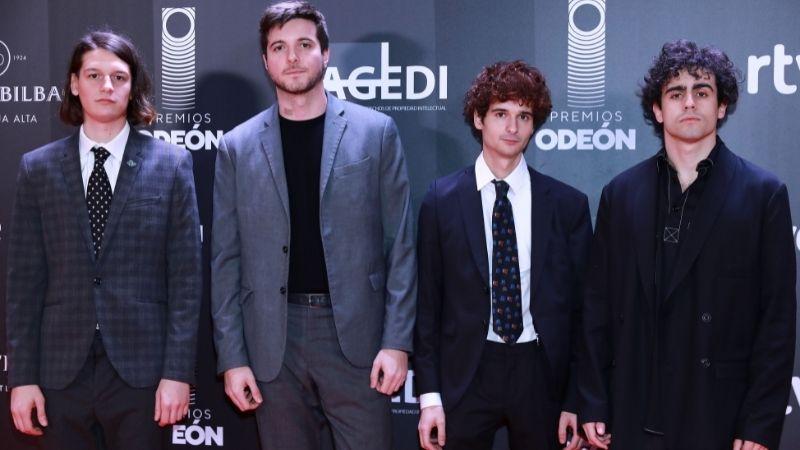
(510, 388)
(99, 406)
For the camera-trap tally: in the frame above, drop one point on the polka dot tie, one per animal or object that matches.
(506, 292)
(98, 197)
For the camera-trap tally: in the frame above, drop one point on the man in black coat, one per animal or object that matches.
(689, 313)
(502, 251)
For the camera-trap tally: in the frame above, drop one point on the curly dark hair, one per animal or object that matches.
(140, 106)
(278, 14)
(686, 55)
(503, 81)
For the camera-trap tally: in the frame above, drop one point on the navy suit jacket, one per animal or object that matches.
(726, 326)
(454, 286)
(144, 288)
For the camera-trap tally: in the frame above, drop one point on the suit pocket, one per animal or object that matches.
(356, 167)
(140, 202)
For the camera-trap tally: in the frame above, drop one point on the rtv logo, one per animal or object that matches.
(779, 61)
(384, 81)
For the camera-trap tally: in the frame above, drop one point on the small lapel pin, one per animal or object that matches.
(131, 163)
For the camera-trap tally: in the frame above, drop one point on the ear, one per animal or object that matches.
(326, 54)
(264, 59)
(657, 112)
(722, 109)
(73, 84)
(477, 120)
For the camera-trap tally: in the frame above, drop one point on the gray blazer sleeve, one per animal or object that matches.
(399, 246)
(226, 266)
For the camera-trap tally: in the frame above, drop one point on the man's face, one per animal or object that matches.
(103, 86)
(689, 108)
(507, 128)
(294, 59)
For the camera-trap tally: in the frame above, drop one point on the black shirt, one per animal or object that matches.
(302, 157)
(674, 214)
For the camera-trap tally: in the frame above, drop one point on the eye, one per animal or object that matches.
(120, 77)
(277, 47)
(675, 95)
(92, 76)
(525, 117)
(305, 44)
(500, 114)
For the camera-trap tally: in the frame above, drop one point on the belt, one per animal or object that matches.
(310, 300)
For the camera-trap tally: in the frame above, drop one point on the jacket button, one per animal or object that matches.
(285, 249)
(97, 281)
(283, 289)
(705, 362)
(706, 318)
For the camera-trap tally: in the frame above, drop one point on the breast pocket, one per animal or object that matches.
(142, 202)
(360, 166)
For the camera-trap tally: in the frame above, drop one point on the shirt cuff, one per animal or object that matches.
(430, 399)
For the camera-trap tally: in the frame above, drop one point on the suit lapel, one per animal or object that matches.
(541, 218)
(706, 212)
(128, 170)
(469, 198)
(71, 168)
(334, 128)
(644, 227)
(273, 151)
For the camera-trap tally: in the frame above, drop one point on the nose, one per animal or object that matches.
(511, 125)
(688, 103)
(107, 84)
(292, 55)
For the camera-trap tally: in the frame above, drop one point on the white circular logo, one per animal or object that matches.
(5, 57)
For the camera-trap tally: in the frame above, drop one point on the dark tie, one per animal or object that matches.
(98, 197)
(506, 292)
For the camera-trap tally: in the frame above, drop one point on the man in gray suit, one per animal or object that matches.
(313, 263)
(103, 266)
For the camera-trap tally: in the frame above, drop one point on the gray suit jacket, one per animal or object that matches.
(367, 236)
(144, 288)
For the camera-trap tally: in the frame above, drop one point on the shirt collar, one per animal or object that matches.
(516, 179)
(115, 146)
(703, 167)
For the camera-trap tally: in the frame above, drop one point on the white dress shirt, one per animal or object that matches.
(116, 147)
(519, 194)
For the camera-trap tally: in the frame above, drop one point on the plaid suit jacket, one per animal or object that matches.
(144, 288)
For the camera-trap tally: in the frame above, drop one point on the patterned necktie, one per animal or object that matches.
(98, 197)
(506, 292)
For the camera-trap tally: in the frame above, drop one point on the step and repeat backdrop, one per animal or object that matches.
(413, 60)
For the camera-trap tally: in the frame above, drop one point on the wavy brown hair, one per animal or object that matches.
(140, 105)
(503, 81)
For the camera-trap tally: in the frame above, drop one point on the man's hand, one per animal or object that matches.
(568, 422)
(430, 418)
(596, 434)
(23, 400)
(739, 444)
(241, 387)
(172, 402)
(389, 371)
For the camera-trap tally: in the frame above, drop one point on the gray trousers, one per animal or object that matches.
(318, 393)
